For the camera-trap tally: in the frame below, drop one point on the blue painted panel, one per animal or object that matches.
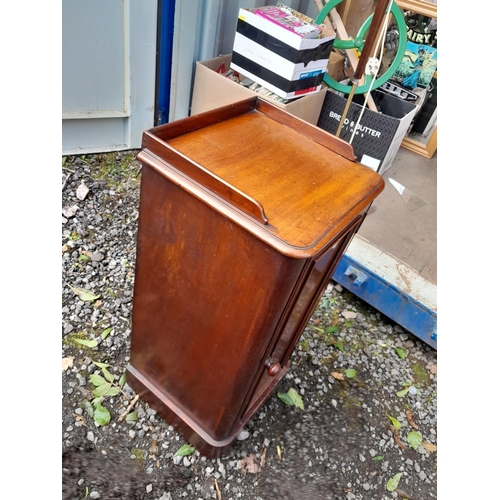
(389, 300)
(166, 11)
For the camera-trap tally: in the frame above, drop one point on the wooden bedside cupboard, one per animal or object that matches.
(244, 213)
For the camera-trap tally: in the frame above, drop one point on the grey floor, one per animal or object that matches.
(402, 221)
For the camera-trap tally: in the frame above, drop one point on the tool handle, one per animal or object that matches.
(370, 38)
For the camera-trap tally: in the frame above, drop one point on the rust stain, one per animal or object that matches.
(403, 272)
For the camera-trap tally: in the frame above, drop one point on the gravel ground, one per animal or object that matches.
(341, 445)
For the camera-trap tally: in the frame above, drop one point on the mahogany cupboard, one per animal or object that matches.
(244, 213)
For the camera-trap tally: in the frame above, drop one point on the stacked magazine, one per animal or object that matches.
(289, 21)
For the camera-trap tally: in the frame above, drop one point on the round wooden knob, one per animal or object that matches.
(273, 369)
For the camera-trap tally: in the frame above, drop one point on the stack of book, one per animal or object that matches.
(281, 51)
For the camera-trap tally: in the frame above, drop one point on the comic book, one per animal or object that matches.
(417, 67)
(420, 59)
(289, 21)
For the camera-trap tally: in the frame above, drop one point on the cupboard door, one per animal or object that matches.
(301, 306)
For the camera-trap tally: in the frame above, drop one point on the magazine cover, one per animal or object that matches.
(417, 67)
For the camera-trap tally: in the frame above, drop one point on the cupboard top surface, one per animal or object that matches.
(305, 188)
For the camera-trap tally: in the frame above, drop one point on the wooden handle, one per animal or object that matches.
(370, 38)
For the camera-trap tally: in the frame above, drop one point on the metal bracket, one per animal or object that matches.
(372, 66)
(434, 335)
(358, 276)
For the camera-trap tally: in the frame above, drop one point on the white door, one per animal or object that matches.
(108, 74)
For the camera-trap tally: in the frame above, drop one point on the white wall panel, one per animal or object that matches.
(108, 73)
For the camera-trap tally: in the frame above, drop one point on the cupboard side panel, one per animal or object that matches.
(207, 299)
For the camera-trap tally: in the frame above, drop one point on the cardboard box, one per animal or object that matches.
(212, 90)
(335, 67)
(378, 135)
(277, 58)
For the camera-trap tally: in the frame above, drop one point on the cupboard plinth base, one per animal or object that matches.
(194, 434)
